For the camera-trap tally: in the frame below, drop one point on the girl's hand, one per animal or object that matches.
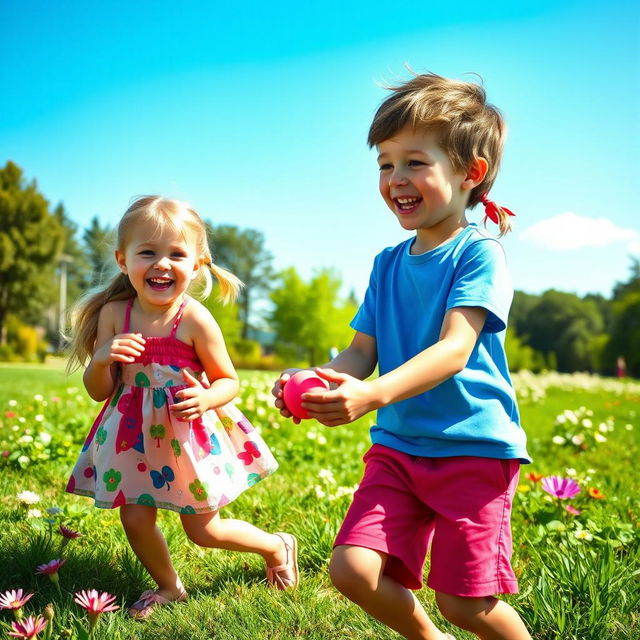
(123, 347)
(194, 400)
(344, 403)
(277, 391)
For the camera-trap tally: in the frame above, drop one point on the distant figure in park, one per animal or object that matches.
(448, 444)
(168, 436)
(621, 367)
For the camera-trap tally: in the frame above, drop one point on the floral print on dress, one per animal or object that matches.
(137, 452)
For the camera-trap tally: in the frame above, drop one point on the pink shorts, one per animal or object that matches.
(460, 505)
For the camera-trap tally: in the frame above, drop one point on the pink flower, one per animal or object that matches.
(50, 568)
(95, 603)
(6, 454)
(562, 488)
(572, 510)
(14, 599)
(28, 628)
(67, 533)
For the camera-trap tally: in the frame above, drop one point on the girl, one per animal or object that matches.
(167, 437)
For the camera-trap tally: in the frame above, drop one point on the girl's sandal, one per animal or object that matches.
(141, 609)
(285, 576)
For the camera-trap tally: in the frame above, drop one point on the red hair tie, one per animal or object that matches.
(492, 210)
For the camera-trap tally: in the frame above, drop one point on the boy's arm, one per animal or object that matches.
(358, 360)
(353, 397)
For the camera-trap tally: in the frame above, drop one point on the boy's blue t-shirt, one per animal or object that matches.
(473, 413)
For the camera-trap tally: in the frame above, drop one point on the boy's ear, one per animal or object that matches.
(475, 173)
(120, 259)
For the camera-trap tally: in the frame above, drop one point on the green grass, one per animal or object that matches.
(571, 588)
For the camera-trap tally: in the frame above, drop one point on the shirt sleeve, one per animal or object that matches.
(481, 279)
(365, 319)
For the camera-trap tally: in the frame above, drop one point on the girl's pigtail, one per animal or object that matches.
(230, 285)
(84, 318)
(496, 213)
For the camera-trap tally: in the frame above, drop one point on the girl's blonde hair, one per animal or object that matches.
(156, 214)
(467, 126)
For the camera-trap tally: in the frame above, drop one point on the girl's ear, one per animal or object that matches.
(197, 265)
(475, 173)
(120, 259)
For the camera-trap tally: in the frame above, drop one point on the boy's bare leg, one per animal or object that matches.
(357, 572)
(489, 618)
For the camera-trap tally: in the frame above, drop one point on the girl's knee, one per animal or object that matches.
(201, 529)
(350, 575)
(137, 519)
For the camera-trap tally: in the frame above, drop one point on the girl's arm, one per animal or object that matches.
(100, 375)
(353, 398)
(212, 352)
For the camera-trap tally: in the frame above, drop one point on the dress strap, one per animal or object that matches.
(127, 317)
(176, 320)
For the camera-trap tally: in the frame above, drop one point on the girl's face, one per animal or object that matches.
(160, 267)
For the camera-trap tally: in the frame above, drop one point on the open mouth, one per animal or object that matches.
(407, 204)
(159, 284)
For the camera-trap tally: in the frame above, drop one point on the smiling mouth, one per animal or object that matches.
(407, 204)
(159, 284)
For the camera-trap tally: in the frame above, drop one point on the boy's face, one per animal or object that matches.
(418, 182)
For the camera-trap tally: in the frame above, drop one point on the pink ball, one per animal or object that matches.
(300, 383)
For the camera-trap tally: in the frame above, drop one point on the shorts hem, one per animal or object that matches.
(409, 580)
(481, 590)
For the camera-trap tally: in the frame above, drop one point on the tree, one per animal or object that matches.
(99, 243)
(565, 325)
(309, 319)
(242, 252)
(31, 239)
(624, 337)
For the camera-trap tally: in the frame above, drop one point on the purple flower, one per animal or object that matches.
(562, 488)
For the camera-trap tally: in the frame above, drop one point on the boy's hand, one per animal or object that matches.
(277, 393)
(348, 400)
(123, 347)
(194, 400)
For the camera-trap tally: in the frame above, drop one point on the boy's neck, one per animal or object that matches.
(429, 239)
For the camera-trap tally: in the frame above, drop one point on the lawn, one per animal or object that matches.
(579, 568)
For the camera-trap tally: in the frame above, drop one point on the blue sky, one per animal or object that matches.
(258, 114)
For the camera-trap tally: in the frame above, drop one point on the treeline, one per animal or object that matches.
(564, 332)
(47, 262)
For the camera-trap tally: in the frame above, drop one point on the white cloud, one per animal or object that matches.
(568, 231)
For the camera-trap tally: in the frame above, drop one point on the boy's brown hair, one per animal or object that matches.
(466, 125)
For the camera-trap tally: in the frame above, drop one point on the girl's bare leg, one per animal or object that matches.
(489, 618)
(357, 572)
(210, 530)
(150, 547)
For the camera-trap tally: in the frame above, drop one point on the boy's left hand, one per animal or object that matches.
(344, 403)
(194, 399)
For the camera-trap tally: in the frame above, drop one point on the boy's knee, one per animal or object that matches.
(352, 578)
(463, 612)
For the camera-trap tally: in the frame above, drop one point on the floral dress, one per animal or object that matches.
(137, 452)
